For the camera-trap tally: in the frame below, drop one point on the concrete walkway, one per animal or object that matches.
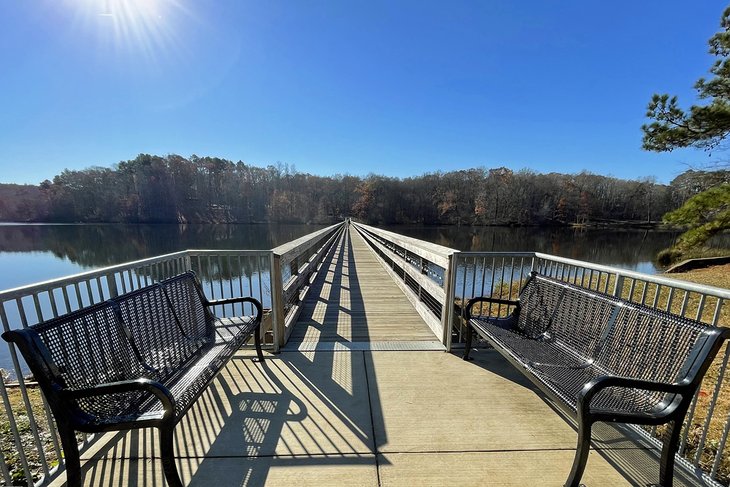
(370, 419)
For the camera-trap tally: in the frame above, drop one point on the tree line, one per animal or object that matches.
(172, 188)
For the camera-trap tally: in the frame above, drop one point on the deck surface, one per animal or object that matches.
(353, 302)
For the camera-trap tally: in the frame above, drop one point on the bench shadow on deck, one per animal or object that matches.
(362, 417)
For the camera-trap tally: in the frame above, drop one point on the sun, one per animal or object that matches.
(144, 28)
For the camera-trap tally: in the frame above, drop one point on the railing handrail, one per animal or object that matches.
(241, 252)
(438, 254)
(12, 293)
(291, 250)
(617, 271)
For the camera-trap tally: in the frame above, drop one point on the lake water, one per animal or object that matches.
(34, 253)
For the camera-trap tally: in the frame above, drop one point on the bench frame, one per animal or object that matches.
(37, 357)
(674, 412)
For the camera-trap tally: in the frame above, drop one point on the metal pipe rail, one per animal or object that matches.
(223, 273)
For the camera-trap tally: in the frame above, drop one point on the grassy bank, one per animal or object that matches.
(22, 421)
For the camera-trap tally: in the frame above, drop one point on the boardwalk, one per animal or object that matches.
(355, 304)
(339, 407)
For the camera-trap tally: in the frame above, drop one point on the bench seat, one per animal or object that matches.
(600, 357)
(138, 360)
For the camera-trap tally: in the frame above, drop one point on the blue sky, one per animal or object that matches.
(395, 88)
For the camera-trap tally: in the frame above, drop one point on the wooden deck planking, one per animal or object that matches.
(353, 300)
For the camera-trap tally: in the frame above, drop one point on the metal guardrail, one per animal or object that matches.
(37, 455)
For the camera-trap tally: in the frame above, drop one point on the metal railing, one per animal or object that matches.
(36, 456)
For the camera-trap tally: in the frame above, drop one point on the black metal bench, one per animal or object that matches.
(600, 357)
(136, 361)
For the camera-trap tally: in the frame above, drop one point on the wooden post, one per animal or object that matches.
(277, 303)
(447, 307)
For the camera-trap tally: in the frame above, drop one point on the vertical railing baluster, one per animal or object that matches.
(5, 323)
(46, 407)
(38, 309)
(720, 448)
(15, 432)
(711, 407)
(4, 468)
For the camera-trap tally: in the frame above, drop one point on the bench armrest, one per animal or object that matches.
(256, 303)
(158, 390)
(683, 387)
(485, 299)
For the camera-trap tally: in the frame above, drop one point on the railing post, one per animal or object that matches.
(111, 283)
(447, 308)
(277, 302)
(619, 286)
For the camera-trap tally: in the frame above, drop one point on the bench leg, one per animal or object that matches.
(581, 453)
(257, 343)
(167, 452)
(666, 467)
(70, 455)
(467, 345)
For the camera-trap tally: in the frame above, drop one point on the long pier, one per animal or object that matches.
(353, 304)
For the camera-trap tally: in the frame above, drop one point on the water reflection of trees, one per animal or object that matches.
(93, 246)
(615, 246)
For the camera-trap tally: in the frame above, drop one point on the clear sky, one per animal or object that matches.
(392, 87)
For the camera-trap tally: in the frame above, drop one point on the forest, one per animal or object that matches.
(175, 189)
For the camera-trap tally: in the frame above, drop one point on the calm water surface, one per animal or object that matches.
(33, 253)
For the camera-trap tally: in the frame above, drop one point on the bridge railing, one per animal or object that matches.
(703, 447)
(36, 456)
(294, 265)
(423, 270)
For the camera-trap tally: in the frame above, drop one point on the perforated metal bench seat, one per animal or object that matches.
(600, 357)
(138, 360)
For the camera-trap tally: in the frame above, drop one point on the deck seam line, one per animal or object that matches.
(375, 453)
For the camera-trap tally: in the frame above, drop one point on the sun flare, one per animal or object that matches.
(141, 27)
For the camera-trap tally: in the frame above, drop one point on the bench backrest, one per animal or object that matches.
(555, 310)
(162, 323)
(79, 350)
(188, 301)
(650, 344)
(150, 332)
(620, 337)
